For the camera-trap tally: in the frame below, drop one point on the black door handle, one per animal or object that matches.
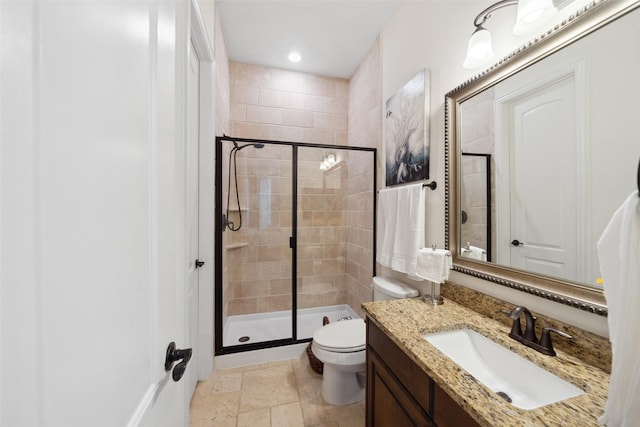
(516, 242)
(173, 355)
(199, 263)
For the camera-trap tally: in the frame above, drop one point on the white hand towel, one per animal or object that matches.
(401, 221)
(619, 252)
(474, 252)
(434, 265)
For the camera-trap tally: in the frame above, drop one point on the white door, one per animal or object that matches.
(92, 212)
(541, 233)
(192, 210)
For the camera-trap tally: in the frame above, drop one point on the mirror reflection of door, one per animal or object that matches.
(542, 169)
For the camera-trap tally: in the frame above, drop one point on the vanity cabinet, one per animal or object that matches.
(388, 403)
(399, 393)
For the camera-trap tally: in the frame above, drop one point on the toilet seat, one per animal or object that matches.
(341, 349)
(345, 336)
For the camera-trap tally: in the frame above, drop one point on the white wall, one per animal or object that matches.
(434, 35)
(207, 10)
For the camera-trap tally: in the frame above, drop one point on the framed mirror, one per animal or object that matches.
(540, 151)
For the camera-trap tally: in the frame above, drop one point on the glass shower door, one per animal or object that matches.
(321, 237)
(256, 252)
(298, 239)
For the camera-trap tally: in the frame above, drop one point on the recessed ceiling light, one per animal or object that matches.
(294, 57)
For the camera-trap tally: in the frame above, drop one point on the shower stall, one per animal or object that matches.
(294, 233)
(477, 205)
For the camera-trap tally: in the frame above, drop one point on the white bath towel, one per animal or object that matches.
(434, 265)
(387, 219)
(400, 227)
(619, 253)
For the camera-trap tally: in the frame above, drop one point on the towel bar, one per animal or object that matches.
(432, 185)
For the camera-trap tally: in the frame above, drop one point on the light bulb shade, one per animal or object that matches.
(479, 49)
(532, 14)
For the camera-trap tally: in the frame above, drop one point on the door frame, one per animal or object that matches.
(204, 50)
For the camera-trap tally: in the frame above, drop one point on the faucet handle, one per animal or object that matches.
(545, 339)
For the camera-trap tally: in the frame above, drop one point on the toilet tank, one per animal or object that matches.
(386, 288)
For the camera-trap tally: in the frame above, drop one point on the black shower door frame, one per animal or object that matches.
(220, 349)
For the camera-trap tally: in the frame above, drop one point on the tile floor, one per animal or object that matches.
(277, 394)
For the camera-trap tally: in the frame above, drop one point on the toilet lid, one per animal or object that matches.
(344, 336)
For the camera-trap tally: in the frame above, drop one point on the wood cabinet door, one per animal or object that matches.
(447, 413)
(388, 404)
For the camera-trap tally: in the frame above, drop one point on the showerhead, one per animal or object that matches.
(255, 145)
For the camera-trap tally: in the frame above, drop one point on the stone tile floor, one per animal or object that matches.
(277, 394)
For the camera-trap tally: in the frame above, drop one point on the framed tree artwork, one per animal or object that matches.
(407, 132)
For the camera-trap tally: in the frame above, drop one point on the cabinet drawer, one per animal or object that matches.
(408, 373)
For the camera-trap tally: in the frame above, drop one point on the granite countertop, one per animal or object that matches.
(407, 320)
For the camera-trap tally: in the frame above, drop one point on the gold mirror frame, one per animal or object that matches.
(583, 22)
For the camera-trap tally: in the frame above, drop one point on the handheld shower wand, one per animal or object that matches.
(232, 155)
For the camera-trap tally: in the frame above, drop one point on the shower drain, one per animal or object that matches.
(244, 339)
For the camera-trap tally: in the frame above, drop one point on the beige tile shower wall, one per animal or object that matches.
(321, 230)
(477, 136)
(222, 81)
(365, 129)
(474, 202)
(275, 104)
(258, 257)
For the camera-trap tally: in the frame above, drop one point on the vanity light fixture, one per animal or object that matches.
(294, 56)
(531, 14)
(328, 162)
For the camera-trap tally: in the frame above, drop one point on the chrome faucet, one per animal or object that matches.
(528, 337)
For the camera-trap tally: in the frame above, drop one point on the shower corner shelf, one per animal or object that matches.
(235, 246)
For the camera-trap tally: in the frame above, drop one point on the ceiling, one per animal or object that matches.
(332, 36)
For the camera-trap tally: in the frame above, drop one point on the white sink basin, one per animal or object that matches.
(512, 377)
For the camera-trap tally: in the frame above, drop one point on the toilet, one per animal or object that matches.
(341, 346)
